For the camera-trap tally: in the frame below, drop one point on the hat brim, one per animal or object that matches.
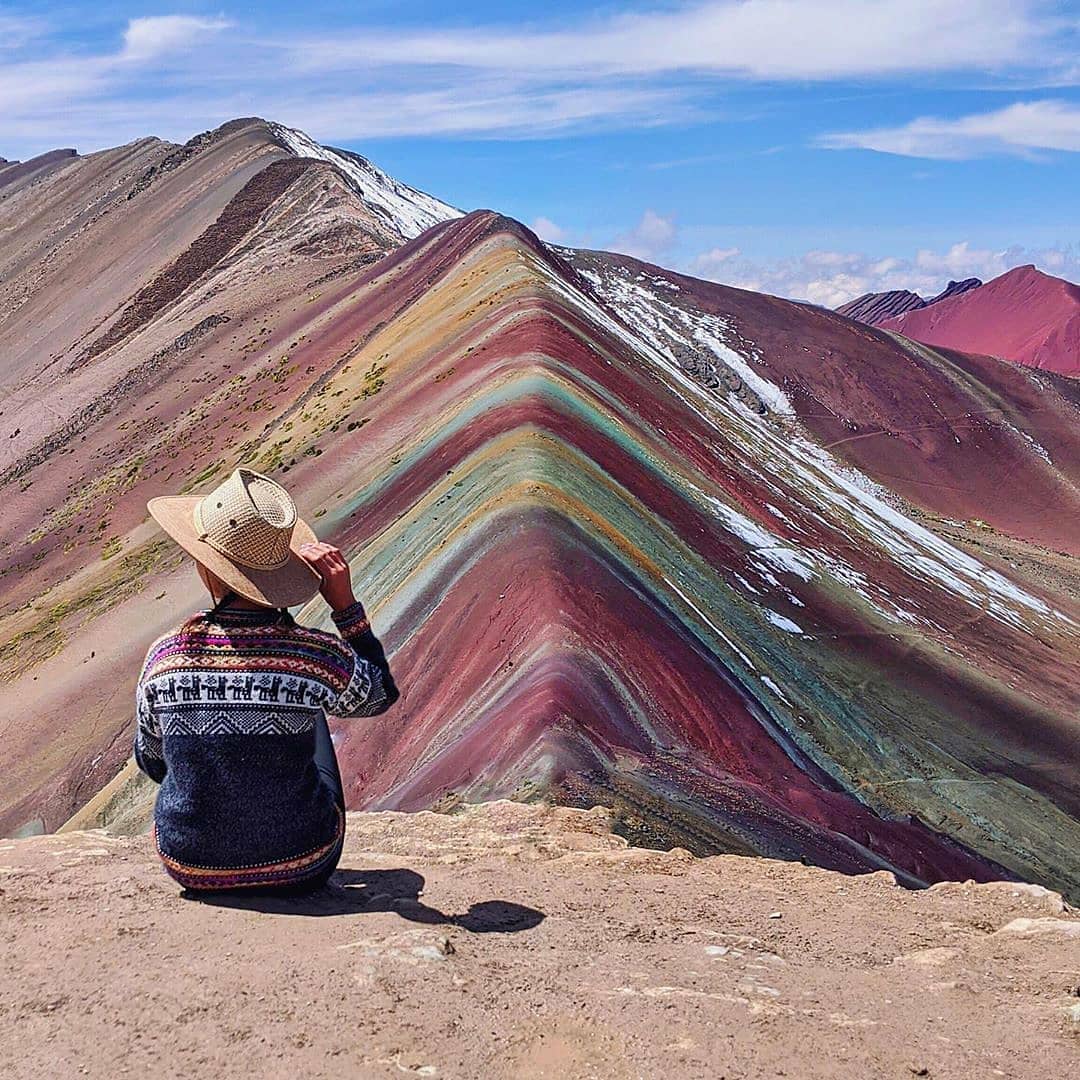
(295, 582)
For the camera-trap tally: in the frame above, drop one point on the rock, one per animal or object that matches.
(928, 957)
(1030, 927)
(872, 308)
(875, 308)
(1037, 895)
(429, 952)
(954, 288)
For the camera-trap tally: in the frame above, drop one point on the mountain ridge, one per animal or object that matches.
(874, 308)
(741, 637)
(1024, 315)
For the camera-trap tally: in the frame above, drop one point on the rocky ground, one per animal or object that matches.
(526, 941)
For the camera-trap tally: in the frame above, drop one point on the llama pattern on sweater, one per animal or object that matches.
(201, 701)
(265, 679)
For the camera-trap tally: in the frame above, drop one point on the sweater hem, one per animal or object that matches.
(293, 870)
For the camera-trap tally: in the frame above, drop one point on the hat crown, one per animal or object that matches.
(249, 518)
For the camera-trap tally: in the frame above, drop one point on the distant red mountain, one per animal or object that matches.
(1024, 315)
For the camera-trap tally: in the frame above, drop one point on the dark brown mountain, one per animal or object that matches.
(874, 308)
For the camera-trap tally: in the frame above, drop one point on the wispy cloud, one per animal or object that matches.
(710, 262)
(760, 39)
(831, 278)
(172, 74)
(1022, 129)
(153, 36)
(59, 94)
(477, 108)
(665, 65)
(17, 30)
(548, 230)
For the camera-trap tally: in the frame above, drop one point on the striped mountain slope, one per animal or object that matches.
(704, 556)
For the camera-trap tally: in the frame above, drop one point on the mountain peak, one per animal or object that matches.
(14, 174)
(403, 208)
(1029, 277)
(628, 537)
(954, 288)
(1024, 270)
(875, 309)
(1024, 315)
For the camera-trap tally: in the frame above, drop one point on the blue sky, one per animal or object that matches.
(812, 148)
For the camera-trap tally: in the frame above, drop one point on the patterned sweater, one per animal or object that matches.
(226, 707)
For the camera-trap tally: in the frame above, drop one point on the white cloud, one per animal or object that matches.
(95, 101)
(86, 98)
(649, 67)
(961, 260)
(478, 107)
(547, 230)
(649, 239)
(38, 93)
(1022, 129)
(831, 278)
(759, 39)
(709, 262)
(831, 260)
(151, 36)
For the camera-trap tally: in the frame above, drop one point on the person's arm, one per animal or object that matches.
(371, 689)
(148, 745)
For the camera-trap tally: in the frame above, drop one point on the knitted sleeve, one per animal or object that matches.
(371, 689)
(148, 748)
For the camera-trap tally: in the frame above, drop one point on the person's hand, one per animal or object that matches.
(331, 566)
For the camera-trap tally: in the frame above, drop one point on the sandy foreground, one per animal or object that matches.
(526, 941)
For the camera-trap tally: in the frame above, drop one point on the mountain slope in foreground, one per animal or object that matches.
(528, 942)
(1024, 315)
(697, 554)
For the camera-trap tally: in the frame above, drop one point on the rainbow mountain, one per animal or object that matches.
(758, 577)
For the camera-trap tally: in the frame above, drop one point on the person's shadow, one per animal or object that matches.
(352, 892)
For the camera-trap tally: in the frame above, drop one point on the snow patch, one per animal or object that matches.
(408, 211)
(844, 501)
(782, 622)
(775, 689)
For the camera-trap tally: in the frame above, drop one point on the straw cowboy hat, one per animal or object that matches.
(247, 532)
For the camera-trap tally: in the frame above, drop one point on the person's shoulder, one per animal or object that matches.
(160, 647)
(192, 624)
(175, 636)
(314, 635)
(332, 644)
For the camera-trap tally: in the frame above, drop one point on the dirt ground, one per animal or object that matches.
(526, 941)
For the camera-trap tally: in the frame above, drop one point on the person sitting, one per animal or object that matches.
(251, 796)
